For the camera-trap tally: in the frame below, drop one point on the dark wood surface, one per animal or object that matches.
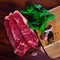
(6, 50)
(48, 4)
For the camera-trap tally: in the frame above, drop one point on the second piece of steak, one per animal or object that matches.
(8, 30)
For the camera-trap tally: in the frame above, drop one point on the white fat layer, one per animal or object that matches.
(6, 18)
(24, 19)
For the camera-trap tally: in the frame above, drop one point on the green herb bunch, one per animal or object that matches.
(38, 16)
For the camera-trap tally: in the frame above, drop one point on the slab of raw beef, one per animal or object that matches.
(21, 45)
(22, 38)
(28, 35)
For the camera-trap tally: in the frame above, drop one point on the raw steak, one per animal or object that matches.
(28, 35)
(22, 38)
(22, 45)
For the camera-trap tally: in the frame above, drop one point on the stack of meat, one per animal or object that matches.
(21, 37)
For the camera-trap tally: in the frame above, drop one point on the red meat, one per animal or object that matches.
(9, 34)
(22, 38)
(28, 35)
(21, 44)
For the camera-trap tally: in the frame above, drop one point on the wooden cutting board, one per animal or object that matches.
(53, 50)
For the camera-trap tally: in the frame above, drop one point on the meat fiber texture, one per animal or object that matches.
(21, 37)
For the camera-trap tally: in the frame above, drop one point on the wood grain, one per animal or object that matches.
(53, 50)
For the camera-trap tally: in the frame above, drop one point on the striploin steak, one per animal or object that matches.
(22, 38)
